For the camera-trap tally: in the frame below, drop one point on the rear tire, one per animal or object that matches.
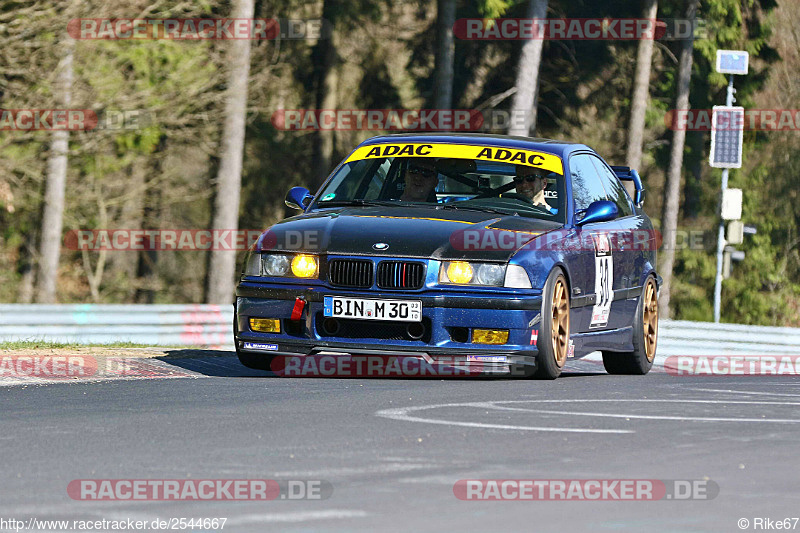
(645, 337)
(553, 340)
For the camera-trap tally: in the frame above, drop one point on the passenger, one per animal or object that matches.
(421, 179)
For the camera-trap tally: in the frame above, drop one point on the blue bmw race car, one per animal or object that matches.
(504, 252)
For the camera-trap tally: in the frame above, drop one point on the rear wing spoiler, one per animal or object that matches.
(630, 174)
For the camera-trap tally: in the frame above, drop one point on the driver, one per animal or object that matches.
(531, 183)
(421, 179)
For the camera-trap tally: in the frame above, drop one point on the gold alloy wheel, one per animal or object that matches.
(650, 319)
(560, 325)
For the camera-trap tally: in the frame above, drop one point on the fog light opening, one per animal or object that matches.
(415, 330)
(265, 325)
(330, 326)
(490, 336)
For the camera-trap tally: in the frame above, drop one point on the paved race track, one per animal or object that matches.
(393, 449)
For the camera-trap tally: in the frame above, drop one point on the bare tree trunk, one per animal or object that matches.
(131, 216)
(672, 189)
(147, 260)
(326, 77)
(535, 108)
(445, 53)
(692, 188)
(94, 274)
(522, 116)
(324, 138)
(25, 270)
(222, 266)
(52, 215)
(641, 91)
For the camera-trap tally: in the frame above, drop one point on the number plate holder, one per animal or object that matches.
(372, 309)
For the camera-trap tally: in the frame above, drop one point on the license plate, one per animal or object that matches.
(362, 309)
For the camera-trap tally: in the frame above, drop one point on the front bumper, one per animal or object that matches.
(448, 316)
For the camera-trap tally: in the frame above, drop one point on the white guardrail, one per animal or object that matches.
(210, 326)
(156, 325)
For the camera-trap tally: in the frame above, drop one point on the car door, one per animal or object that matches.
(628, 276)
(594, 281)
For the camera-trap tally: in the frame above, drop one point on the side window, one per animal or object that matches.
(586, 185)
(616, 191)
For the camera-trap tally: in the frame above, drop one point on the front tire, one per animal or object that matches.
(645, 337)
(255, 361)
(553, 343)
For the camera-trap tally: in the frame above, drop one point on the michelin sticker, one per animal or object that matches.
(603, 279)
(260, 346)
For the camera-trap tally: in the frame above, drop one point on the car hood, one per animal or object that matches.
(408, 232)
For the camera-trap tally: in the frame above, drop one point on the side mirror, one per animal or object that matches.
(599, 211)
(298, 198)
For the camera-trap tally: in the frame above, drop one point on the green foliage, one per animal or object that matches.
(494, 8)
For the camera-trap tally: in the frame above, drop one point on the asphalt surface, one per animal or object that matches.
(393, 449)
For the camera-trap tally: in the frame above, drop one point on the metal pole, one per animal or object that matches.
(721, 233)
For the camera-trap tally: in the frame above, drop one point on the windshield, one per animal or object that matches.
(448, 183)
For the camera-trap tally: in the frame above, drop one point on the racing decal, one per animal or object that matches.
(571, 349)
(260, 346)
(534, 336)
(603, 280)
(488, 358)
(488, 153)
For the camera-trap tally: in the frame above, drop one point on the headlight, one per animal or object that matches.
(275, 265)
(282, 265)
(459, 272)
(463, 273)
(304, 266)
(490, 274)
